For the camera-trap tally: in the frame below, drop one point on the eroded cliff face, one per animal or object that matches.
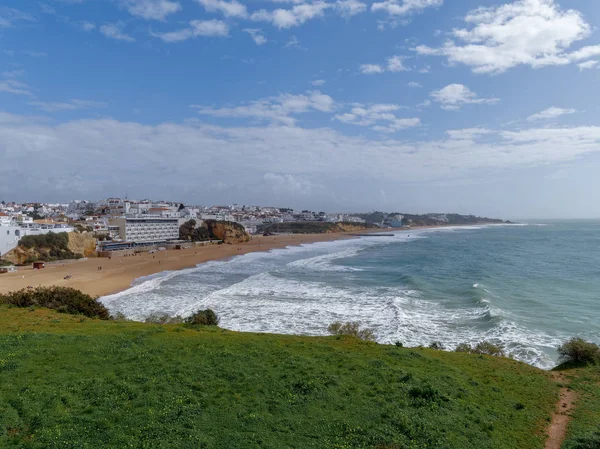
(227, 231)
(84, 244)
(348, 227)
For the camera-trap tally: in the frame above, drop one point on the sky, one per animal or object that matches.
(474, 106)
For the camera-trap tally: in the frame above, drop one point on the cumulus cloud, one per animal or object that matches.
(295, 16)
(151, 9)
(414, 84)
(404, 7)
(536, 33)
(288, 183)
(454, 96)
(393, 64)
(318, 82)
(369, 69)
(205, 28)
(115, 31)
(70, 105)
(278, 109)
(257, 35)
(551, 113)
(588, 65)
(349, 8)
(228, 9)
(379, 117)
(79, 155)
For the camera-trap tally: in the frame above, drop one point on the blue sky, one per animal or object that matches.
(478, 106)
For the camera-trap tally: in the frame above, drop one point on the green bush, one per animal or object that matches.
(51, 246)
(203, 318)
(483, 347)
(579, 351)
(436, 345)
(351, 328)
(61, 299)
(163, 318)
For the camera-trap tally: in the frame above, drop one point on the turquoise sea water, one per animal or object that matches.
(528, 287)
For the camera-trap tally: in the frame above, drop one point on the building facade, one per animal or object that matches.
(146, 229)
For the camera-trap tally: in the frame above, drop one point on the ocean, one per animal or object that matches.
(529, 287)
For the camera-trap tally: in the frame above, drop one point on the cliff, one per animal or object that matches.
(49, 247)
(227, 231)
(82, 243)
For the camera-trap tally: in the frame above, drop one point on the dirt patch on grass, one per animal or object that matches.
(562, 415)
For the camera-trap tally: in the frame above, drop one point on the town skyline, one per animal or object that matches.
(483, 106)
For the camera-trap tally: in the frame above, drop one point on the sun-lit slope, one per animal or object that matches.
(67, 381)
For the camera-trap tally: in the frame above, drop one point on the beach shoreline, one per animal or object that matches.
(101, 276)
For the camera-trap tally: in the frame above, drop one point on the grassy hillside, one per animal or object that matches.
(73, 382)
(584, 429)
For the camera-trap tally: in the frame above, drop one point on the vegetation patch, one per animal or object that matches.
(68, 381)
(61, 299)
(48, 247)
(577, 351)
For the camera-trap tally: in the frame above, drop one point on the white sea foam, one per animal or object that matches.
(301, 290)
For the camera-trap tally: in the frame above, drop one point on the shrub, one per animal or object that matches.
(351, 328)
(61, 299)
(203, 318)
(436, 345)
(163, 318)
(579, 351)
(483, 347)
(463, 347)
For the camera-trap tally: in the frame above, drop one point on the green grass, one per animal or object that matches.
(584, 429)
(73, 382)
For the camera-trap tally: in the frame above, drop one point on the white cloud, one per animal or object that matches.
(318, 82)
(205, 28)
(151, 9)
(115, 31)
(379, 117)
(13, 73)
(293, 42)
(404, 7)
(525, 32)
(369, 69)
(453, 96)
(228, 9)
(414, 84)
(257, 35)
(71, 105)
(274, 109)
(551, 113)
(288, 183)
(349, 8)
(296, 16)
(393, 64)
(68, 156)
(588, 65)
(15, 87)
(87, 26)
(8, 16)
(467, 133)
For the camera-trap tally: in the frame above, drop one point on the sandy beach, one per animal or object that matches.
(118, 273)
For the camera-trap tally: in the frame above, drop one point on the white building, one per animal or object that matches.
(11, 231)
(146, 229)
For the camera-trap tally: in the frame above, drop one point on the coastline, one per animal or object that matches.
(119, 273)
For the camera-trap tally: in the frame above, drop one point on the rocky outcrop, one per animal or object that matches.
(227, 231)
(82, 243)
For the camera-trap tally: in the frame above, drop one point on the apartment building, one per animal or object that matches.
(146, 229)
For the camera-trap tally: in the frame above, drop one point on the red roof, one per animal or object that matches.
(2, 214)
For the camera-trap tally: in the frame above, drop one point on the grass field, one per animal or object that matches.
(73, 382)
(584, 429)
